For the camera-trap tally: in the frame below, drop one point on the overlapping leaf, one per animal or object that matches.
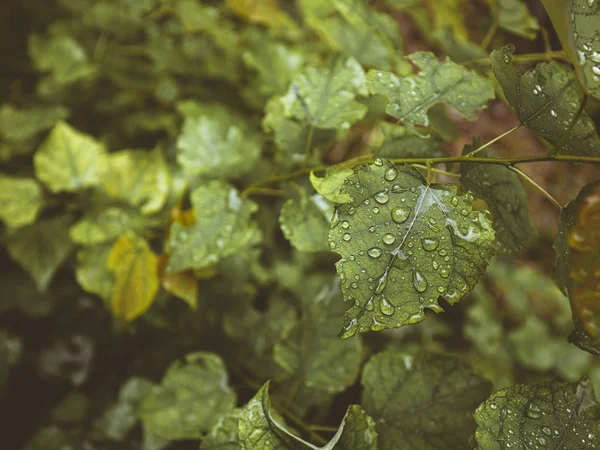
(20, 125)
(514, 16)
(91, 271)
(224, 434)
(551, 415)
(21, 200)
(421, 403)
(106, 225)
(305, 222)
(329, 186)
(404, 244)
(546, 100)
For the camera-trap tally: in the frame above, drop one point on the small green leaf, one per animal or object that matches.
(224, 434)
(69, 160)
(258, 429)
(20, 125)
(395, 141)
(325, 98)
(411, 97)
(506, 198)
(545, 100)
(305, 222)
(191, 399)
(91, 271)
(552, 415)
(514, 17)
(222, 228)
(421, 403)
(21, 200)
(330, 185)
(41, 248)
(105, 225)
(404, 244)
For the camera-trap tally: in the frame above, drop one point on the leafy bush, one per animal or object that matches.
(219, 220)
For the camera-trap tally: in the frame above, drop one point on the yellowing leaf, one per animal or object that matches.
(256, 11)
(183, 285)
(135, 267)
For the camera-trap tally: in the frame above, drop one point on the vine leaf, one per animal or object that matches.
(506, 198)
(224, 435)
(403, 244)
(21, 199)
(578, 260)
(423, 402)
(514, 17)
(91, 271)
(546, 100)
(135, 269)
(41, 248)
(305, 222)
(258, 429)
(330, 185)
(222, 227)
(410, 97)
(325, 98)
(182, 285)
(191, 399)
(106, 225)
(553, 415)
(68, 160)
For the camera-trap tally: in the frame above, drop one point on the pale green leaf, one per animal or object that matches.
(106, 225)
(546, 100)
(395, 141)
(422, 402)
(305, 222)
(91, 271)
(224, 434)
(326, 97)
(259, 430)
(69, 160)
(20, 125)
(459, 51)
(21, 200)
(506, 198)
(411, 97)
(190, 400)
(552, 415)
(514, 16)
(330, 185)
(404, 244)
(41, 248)
(222, 227)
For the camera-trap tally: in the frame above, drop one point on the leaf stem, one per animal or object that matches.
(528, 58)
(496, 139)
(540, 189)
(309, 139)
(428, 167)
(489, 36)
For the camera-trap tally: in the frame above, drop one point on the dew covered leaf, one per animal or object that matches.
(553, 415)
(410, 97)
(222, 227)
(546, 100)
(135, 269)
(326, 97)
(329, 186)
(514, 16)
(21, 200)
(69, 160)
(224, 435)
(423, 402)
(578, 258)
(396, 141)
(404, 244)
(506, 198)
(258, 429)
(41, 248)
(305, 222)
(190, 400)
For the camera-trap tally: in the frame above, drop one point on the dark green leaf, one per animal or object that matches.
(514, 17)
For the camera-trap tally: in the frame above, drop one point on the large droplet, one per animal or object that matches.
(391, 174)
(350, 329)
(374, 252)
(430, 244)
(419, 281)
(382, 197)
(534, 411)
(347, 237)
(400, 214)
(386, 307)
(369, 305)
(345, 224)
(432, 224)
(389, 238)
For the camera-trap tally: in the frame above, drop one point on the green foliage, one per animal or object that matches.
(224, 223)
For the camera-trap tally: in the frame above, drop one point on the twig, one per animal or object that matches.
(540, 189)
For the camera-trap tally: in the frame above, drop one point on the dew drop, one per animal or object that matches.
(374, 252)
(391, 174)
(534, 411)
(351, 210)
(350, 329)
(419, 281)
(553, 113)
(386, 307)
(547, 431)
(389, 238)
(332, 245)
(382, 197)
(493, 406)
(435, 264)
(382, 283)
(375, 210)
(454, 201)
(430, 244)
(441, 289)
(345, 224)
(400, 214)
(378, 162)
(347, 237)
(354, 285)
(369, 305)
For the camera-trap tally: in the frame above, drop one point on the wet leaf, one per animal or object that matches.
(545, 100)
(21, 200)
(258, 429)
(410, 97)
(69, 160)
(41, 248)
(404, 244)
(330, 185)
(553, 415)
(514, 16)
(224, 434)
(506, 198)
(395, 141)
(305, 222)
(135, 269)
(423, 402)
(191, 399)
(222, 228)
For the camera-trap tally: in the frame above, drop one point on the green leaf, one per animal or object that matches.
(105, 225)
(21, 200)
(514, 17)
(551, 415)
(325, 98)
(330, 185)
(20, 125)
(258, 429)
(191, 399)
(305, 222)
(41, 248)
(222, 228)
(411, 97)
(394, 141)
(91, 271)
(421, 402)
(404, 244)
(506, 198)
(224, 434)
(545, 100)
(69, 160)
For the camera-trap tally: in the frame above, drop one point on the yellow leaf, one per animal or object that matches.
(256, 11)
(135, 268)
(450, 13)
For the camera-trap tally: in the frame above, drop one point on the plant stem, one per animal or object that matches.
(489, 36)
(428, 167)
(543, 191)
(306, 428)
(496, 139)
(528, 58)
